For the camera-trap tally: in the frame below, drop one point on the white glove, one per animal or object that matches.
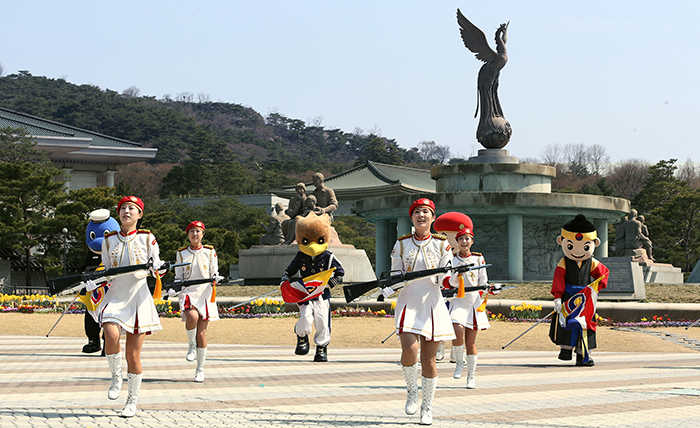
(172, 293)
(387, 291)
(495, 289)
(285, 278)
(218, 278)
(557, 307)
(157, 265)
(90, 285)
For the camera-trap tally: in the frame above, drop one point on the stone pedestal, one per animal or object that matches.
(661, 273)
(265, 264)
(655, 273)
(493, 156)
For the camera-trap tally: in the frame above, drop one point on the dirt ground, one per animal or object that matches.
(352, 332)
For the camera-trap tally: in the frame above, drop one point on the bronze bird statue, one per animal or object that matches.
(493, 131)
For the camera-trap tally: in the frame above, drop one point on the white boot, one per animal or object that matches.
(115, 366)
(459, 355)
(440, 352)
(471, 371)
(453, 357)
(201, 356)
(428, 389)
(134, 381)
(192, 343)
(410, 373)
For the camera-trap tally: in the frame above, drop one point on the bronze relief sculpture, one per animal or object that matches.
(493, 131)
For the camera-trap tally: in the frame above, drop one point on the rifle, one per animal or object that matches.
(452, 292)
(353, 291)
(533, 326)
(693, 324)
(178, 285)
(57, 285)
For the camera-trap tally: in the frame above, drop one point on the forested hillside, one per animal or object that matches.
(200, 141)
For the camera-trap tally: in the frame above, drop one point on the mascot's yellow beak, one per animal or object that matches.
(312, 248)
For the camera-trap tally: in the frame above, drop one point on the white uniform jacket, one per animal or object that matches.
(420, 308)
(129, 302)
(470, 310)
(204, 264)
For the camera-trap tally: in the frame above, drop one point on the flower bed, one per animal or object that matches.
(266, 307)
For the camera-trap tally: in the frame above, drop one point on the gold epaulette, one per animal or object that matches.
(114, 232)
(402, 237)
(211, 247)
(143, 231)
(476, 254)
(440, 236)
(182, 248)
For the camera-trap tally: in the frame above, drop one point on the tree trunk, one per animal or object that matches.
(28, 280)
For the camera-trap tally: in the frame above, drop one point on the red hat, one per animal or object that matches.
(422, 202)
(454, 222)
(131, 200)
(196, 223)
(464, 231)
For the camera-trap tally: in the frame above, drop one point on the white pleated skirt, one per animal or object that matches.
(420, 309)
(129, 303)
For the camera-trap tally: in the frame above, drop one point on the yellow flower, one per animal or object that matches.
(644, 319)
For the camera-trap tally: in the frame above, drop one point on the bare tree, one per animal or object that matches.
(431, 152)
(184, 97)
(203, 98)
(131, 92)
(142, 178)
(552, 154)
(316, 121)
(690, 173)
(598, 157)
(534, 161)
(2, 70)
(576, 156)
(628, 177)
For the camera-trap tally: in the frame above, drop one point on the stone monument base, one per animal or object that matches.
(694, 277)
(265, 264)
(493, 156)
(661, 273)
(655, 273)
(625, 281)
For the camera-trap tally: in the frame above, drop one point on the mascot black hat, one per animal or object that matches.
(579, 229)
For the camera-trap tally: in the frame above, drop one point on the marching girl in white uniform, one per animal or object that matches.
(128, 307)
(422, 319)
(197, 302)
(468, 313)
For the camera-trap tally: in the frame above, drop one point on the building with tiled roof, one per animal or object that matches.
(369, 180)
(81, 154)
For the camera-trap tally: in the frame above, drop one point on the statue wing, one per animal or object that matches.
(474, 39)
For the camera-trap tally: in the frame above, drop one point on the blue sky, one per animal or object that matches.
(621, 74)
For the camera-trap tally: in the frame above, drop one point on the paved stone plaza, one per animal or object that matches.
(47, 382)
